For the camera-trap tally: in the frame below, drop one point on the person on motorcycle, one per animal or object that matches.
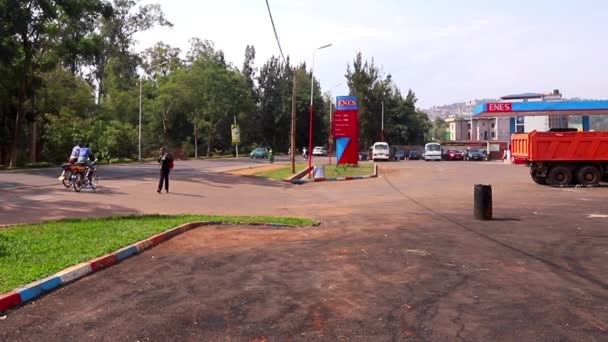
(304, 153)
(85, 157)
(73, 158)
(75, 153)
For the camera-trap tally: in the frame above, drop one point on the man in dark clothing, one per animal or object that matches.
(166, 160)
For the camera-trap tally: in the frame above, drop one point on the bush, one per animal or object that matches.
(39, 164)
(187, 149)
(115, 140)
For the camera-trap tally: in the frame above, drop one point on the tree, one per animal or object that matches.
(30, 28)
(439, 129)
(403, 123)
(116, 39)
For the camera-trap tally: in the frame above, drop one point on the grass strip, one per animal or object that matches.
(34, 251)
(331, 171)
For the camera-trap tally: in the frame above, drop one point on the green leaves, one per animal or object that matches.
(403, 124)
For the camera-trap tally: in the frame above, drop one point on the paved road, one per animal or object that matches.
(396, 258)
(10, 180)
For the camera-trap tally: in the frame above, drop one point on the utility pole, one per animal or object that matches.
(293, 124)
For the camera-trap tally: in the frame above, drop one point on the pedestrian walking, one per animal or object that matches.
(165, 159)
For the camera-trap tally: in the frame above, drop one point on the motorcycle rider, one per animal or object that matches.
(85, 156)
(305, 153)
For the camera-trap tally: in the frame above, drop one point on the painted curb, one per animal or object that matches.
(38, 288)
(334, 179)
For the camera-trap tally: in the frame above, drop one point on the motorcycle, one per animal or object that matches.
(67, 176)
(85, 177)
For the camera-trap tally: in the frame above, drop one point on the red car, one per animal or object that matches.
(455, 155)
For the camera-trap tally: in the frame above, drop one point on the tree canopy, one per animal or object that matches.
(70, 73)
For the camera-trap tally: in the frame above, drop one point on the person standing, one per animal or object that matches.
(166, 164)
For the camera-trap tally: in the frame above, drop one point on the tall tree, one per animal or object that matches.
(30, 26)
(116, 39)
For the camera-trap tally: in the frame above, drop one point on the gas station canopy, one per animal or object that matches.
(538, 108)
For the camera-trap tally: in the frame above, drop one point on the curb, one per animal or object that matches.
(38, 288)
(334, 179)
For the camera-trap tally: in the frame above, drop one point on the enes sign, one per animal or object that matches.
(347, 103)
(500, 107)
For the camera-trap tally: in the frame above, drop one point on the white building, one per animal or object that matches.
(484, 129)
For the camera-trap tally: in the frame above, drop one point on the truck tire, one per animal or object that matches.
(539, 180)
(559, 176)
(588, 175)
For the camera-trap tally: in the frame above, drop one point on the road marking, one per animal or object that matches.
(596, 216)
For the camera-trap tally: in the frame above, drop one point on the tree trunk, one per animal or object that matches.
(33, 147)
(195, 142)
(18, 118)
(209, 140)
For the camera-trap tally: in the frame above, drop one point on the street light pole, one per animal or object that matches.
(140, 86)
(382, 124)
(312, 84)
(139, 136)
(330, 122)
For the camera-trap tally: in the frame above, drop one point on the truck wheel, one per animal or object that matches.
(539, 180)
(560, 176)
(588, 175)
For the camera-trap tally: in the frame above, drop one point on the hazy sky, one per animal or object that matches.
(446, 51)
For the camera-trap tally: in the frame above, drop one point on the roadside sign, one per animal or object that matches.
(236, 133)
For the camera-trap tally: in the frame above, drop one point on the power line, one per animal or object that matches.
(275, 32)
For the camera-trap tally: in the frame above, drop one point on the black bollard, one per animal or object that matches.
(483, 202)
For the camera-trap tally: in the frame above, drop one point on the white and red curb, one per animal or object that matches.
(36, 289)
(334, 179)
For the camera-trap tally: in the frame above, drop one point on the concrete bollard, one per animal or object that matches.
(483, 202)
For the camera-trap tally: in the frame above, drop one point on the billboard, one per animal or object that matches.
(345, 128)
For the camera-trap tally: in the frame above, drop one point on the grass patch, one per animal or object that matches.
(34, 251)
(331, 171)
(281, 173)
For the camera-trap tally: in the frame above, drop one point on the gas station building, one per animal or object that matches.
(494, 122)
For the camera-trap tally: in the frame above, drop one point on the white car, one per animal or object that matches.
(319, 151)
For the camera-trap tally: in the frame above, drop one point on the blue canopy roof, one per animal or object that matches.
(495, 109)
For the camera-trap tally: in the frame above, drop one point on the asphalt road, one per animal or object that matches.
(396, 258)
(18, 179)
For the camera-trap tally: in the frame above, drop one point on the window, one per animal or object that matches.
(519, 124)
(493, 135)
(493, 125)
(485, 135)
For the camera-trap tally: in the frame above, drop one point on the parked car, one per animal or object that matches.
(363, 155)
(400, 155)
(319, 151)
(474, 154)
(414, 155)
(455, 155)
(259, 152)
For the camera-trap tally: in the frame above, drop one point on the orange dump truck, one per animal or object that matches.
(563, 158)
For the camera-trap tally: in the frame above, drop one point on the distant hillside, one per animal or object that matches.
(455, 109)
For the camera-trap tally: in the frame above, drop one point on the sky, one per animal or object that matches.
(445, 51)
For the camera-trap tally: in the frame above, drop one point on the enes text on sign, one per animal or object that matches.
(500, 107)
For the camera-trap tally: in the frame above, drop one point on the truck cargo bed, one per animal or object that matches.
(560, 146)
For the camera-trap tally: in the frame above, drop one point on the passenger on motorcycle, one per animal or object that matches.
(75, 152)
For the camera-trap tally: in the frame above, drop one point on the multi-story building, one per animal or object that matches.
(500, 128)
(484, 129)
